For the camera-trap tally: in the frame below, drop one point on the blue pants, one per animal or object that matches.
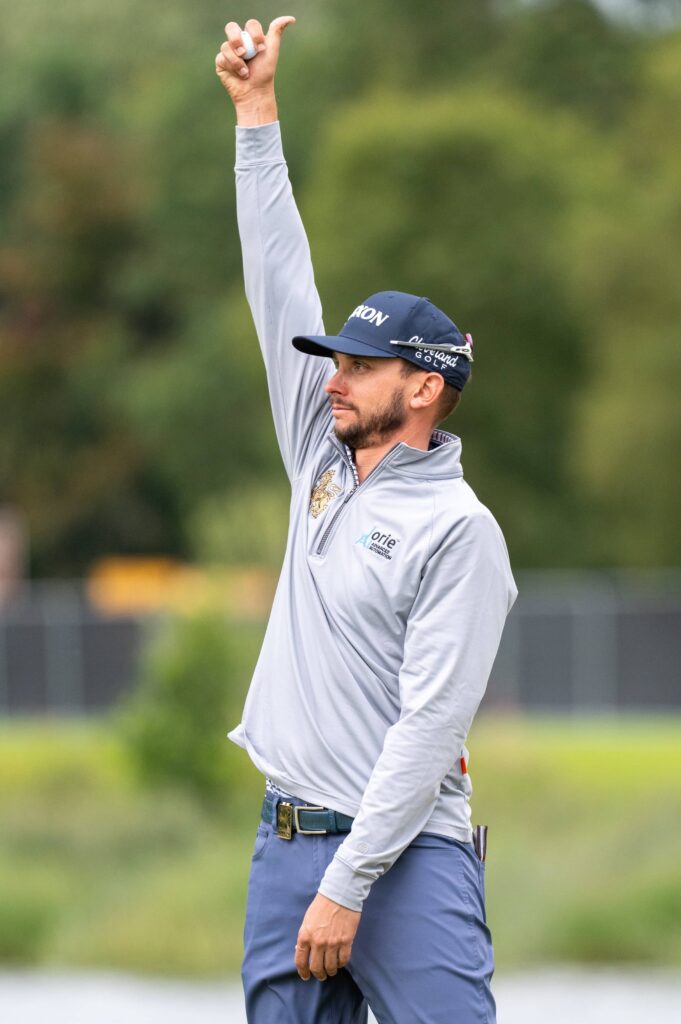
(422, 953)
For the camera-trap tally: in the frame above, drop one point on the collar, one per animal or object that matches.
(442, 460)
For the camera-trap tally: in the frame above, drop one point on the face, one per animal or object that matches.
(367, 398)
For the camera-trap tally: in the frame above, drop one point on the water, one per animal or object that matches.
(559, 996)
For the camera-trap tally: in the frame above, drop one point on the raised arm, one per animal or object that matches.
(277, 266)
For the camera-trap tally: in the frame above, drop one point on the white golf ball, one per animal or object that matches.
(248, 43)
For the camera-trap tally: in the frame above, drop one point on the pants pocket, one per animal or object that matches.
(261, 838)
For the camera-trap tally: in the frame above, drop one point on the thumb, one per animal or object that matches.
(276, 30)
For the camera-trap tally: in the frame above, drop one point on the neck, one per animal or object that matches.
(366, 459)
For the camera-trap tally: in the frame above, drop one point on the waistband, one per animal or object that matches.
(289, 814)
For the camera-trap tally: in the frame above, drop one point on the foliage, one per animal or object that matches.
(490, 185)
(55, 759)
(208, 394)
(97, 871)
(174, 724)
(629, 427)
(511, 160)
(248, 527)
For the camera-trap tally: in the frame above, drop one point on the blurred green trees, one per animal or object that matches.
(468, 197)
(190, 690)
(515, 162)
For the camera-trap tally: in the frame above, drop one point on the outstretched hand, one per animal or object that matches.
(245, 80)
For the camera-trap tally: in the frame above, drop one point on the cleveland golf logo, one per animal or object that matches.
(432, 357)
(379, 542)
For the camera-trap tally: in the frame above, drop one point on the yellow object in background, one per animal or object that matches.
(139, 586)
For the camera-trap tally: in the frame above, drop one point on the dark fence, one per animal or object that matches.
(58, 653)
(574, 642)
(591, 642)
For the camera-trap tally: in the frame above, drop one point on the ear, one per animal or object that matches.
(428, 393)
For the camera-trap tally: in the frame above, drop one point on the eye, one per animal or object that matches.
(358, 365)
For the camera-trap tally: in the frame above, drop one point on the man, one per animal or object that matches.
(383, 631)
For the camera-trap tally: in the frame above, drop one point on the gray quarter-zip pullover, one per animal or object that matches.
(393, 593)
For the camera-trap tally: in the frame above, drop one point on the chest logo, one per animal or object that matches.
(378, 541)
(323, 493)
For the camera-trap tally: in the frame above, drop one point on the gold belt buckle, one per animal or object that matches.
(285, 820)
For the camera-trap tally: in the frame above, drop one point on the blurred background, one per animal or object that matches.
(517, 162)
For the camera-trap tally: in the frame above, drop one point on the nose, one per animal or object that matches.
(335, 385)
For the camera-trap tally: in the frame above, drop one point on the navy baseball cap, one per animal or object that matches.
(390, 324)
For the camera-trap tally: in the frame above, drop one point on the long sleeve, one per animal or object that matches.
(281, 292)
(452, 638)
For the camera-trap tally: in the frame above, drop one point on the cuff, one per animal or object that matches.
(260, 144)
(344, 885)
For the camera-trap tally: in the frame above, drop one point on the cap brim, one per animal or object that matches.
(325, 344)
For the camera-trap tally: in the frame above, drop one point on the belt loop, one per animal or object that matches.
(274, 799)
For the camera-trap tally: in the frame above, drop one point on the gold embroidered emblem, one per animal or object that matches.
(323, 493)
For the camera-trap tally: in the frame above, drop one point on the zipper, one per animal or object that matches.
(327, 531)
(324, 542)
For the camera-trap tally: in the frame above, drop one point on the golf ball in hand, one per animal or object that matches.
(248, 43)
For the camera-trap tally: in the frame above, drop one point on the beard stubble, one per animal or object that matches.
(376, 426)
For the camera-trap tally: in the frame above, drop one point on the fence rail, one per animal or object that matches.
(574, 642)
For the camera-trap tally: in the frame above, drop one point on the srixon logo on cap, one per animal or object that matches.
(374, 316)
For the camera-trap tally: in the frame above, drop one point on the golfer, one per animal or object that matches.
(365, 885)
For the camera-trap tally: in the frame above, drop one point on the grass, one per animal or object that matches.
(585, 838)
(584, 842)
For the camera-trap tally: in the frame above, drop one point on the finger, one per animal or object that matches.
(331, 961)
(344, 954)
(223, 66)
(317, 962)
(302, 958)
(255, 29)
(275, 32)
(233, 33)
(231, 62)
